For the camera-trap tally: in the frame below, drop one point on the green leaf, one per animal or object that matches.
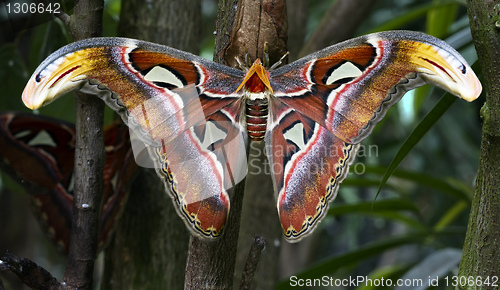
(371, 207)
(361, 182)
(439, 19)
(450, 186)
(413, 14)
(387, 209)
(13, 76)
(423, 127)
(450, 215)
(330, 266)
(435, 265)
(396, 216)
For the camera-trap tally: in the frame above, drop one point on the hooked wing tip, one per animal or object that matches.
(29, 96)
(455, 74)
(472, 88)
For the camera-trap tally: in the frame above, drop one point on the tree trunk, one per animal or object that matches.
(150, 245)
(89, 161)
(259, 218)
(481, 252)
(214, 265)
(210, 265)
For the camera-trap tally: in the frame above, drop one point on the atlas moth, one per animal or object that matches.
(195, 117)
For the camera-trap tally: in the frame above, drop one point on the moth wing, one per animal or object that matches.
(173, 101)
(332, 99)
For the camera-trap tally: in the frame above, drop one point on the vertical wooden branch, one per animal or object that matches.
(149, 248)
(481, 252)
(260, 22)
(211, 265)
(225, 22)
(89, 161)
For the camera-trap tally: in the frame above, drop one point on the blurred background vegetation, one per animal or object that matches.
(418, 217)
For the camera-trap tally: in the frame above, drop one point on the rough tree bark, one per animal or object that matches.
(85, 22)
(150, 245)
(481, 252)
